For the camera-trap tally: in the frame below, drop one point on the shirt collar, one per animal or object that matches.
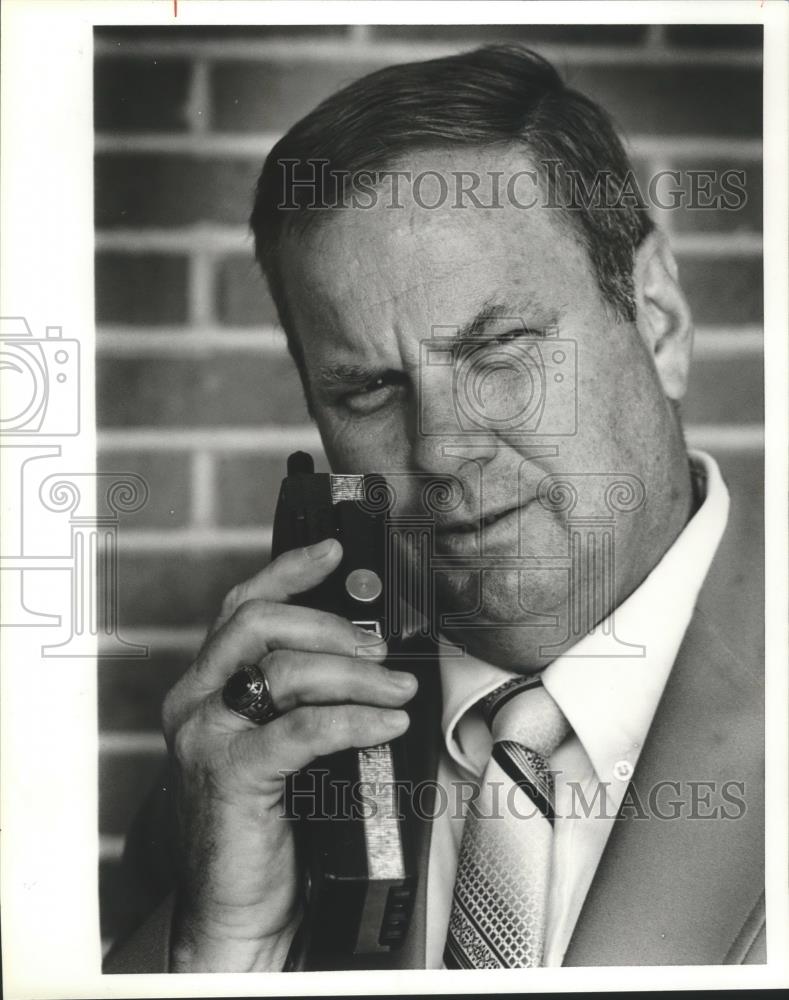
(610, 700)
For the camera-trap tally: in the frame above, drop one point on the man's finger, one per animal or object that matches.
(291, 742)
(291, 573)
(256, 629)
(297, 678)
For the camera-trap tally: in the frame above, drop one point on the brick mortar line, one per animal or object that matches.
(728, 343)
(166, 639)
(242, 145)
(673, 145)
(384, 52)
(219, 240)
(207, 342)
(281, 439)
(157, 340)
(131, 342)
(201, 288)
(113, 742)
(111, 846)
(202, 490)
(197, 539)
(738, 244)
(187, 240)
(656, 37)
(359, 34)
(663, 217)
(198, 105)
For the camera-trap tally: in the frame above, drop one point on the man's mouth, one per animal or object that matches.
(496, 531)
(474, 525)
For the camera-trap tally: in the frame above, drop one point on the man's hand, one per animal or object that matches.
(238, 903)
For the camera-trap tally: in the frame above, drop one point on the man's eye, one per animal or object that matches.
(375, 394)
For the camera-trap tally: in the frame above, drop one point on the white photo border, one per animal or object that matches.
(51, 943)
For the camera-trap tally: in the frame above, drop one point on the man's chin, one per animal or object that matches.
(499, 629)
(512, 647)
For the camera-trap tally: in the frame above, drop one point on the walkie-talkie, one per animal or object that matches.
(361, 878)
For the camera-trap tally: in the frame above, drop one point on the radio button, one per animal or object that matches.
(364, 585)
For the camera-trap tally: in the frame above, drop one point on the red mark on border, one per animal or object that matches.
(175, 8)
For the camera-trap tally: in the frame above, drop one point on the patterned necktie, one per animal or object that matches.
(500, 897)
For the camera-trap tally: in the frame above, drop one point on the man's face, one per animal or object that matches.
(367, 290)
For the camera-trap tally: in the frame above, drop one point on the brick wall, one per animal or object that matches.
(194, 388)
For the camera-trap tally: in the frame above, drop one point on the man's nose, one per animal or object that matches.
(443, 440)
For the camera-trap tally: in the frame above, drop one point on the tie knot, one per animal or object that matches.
(522, 711)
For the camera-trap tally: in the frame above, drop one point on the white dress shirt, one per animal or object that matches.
(609, 701)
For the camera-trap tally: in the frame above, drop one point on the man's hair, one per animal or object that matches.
(494, 97)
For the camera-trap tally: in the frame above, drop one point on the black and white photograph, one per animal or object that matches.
(394, 562)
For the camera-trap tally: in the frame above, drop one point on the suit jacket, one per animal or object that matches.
(685, 891)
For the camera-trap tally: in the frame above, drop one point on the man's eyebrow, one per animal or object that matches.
(346, 374)
(492, 312)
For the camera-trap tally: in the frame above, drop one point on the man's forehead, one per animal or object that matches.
(413, 244)
(358, 270)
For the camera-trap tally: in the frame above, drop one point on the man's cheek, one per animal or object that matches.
(356, 445)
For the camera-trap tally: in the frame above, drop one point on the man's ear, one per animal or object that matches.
(663, 316)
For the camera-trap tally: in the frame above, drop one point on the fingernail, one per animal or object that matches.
(320, 549)
(402, 679)
(396, 722)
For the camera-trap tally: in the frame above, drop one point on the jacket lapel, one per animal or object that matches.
(677, 891)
